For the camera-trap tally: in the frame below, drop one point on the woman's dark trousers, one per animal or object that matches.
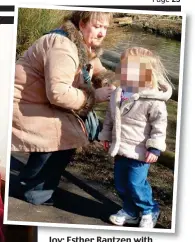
(41, 175)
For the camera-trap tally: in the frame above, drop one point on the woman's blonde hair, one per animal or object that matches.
(86, 16)
(159, 73)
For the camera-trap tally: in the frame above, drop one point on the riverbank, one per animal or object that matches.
(167, 26)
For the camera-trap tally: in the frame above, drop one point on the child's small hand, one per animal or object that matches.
(150, 157)
(106, 145)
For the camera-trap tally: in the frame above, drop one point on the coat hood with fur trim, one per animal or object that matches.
(101, 78)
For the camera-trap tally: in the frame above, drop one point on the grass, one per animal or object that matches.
(33, 23)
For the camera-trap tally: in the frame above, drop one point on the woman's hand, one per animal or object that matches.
(150, 157)
(103, 94)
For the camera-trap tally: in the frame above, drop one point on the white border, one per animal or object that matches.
(178, 124)
(10, 111)
(172, 230)
(7, 14)
(3, 165)
(66, 7)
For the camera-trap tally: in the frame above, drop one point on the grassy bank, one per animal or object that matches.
(33, 23)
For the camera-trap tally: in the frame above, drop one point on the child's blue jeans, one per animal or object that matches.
(130, 177)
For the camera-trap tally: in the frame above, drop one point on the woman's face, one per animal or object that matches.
(94, 31)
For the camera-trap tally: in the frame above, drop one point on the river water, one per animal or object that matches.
(120, 38)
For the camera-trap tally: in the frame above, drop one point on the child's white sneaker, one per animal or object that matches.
(121, 218)
(149, 220)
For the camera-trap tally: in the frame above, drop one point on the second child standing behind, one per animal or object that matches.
(134, 131)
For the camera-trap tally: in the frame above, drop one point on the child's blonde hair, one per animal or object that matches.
(159, 73)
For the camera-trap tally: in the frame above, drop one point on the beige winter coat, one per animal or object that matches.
(48, 87)
(137, 124)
